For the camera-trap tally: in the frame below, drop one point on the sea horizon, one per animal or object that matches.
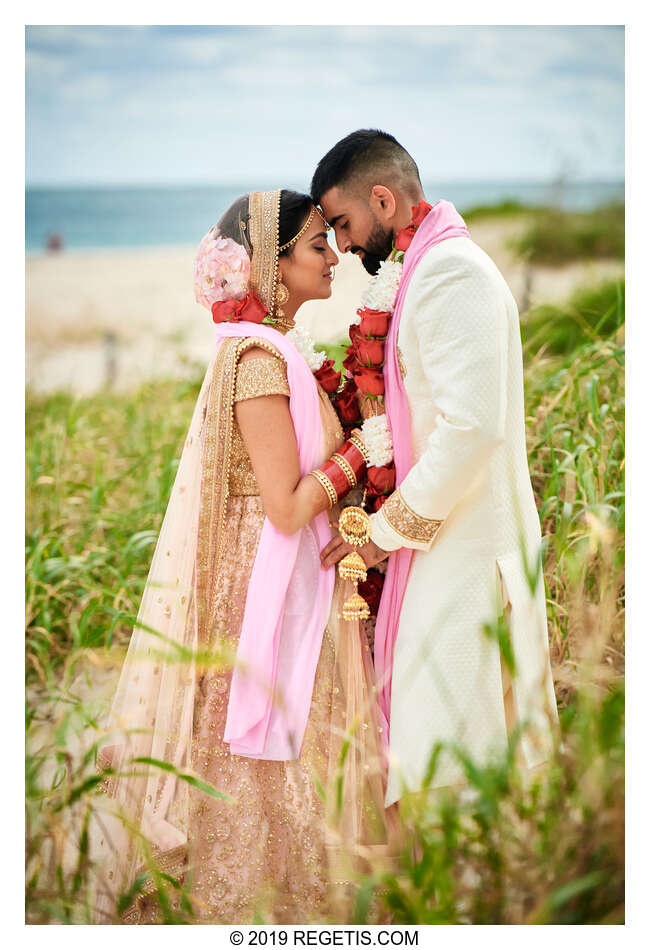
(130, 216)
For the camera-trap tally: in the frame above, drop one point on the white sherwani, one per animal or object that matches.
(466, 507)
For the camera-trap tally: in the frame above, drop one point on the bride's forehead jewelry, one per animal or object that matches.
(300, 233)
(323, 219)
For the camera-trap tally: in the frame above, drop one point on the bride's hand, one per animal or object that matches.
(337, 548)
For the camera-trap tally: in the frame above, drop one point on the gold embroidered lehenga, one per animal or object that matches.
(291, 834)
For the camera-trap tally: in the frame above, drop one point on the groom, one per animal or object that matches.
(461, 527)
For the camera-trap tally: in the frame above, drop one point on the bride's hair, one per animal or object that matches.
(294, 209)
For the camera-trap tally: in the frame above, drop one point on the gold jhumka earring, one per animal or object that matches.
(354, 528)
(281, 297)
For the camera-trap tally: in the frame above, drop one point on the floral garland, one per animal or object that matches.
(365, 357)
(364, 367)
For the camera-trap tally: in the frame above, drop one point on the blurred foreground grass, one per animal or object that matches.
(99, 472)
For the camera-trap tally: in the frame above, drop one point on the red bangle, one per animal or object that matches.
(342, 471)
(352, 455)
(337, 477)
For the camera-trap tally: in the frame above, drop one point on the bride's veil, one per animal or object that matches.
(151, 716)
(146, 754)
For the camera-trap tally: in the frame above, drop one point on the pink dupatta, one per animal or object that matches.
(289, 596)
(441, 223)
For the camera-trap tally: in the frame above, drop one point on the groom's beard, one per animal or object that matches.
(378, 247)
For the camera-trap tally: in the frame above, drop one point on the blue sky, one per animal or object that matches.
(231, 104)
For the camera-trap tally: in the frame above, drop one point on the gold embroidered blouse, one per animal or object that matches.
(259, 376)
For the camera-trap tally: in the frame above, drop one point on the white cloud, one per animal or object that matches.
(189, 103)
(77, 37)
(93, 90)
(42, 66)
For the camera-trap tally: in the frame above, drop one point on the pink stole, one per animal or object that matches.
(441, 223)
(289, 596)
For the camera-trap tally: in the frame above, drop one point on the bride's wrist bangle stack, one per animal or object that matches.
(343, 470)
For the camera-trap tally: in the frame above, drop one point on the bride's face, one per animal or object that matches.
(307, 272)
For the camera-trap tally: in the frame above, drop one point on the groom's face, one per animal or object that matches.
(356, 228)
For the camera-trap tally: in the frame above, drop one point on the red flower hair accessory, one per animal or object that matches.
(250, 308)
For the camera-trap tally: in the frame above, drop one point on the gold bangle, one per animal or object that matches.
(348, 471)
(360, 444)
(327, 486)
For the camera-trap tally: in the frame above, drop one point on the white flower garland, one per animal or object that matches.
(301, 339)
(377, 439)
(382, 289)
(380, 295)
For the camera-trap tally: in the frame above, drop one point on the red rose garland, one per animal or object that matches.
(364, 371)
(328, 377)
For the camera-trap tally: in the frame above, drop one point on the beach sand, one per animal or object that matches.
(121, 317)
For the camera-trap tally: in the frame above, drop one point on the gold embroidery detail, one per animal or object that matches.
(215, 477)
(261, 377)
(408, 523)
(217, 459)
(402, 365)
(264, 219)
(242, 478)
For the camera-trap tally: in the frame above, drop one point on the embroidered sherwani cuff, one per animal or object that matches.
(397, 525)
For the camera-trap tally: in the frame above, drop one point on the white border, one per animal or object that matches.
(377, 13)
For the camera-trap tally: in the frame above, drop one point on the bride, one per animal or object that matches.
(244, 758)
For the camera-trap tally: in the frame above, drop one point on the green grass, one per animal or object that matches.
(508, 208)
(556, 237)
(575, 403)
(591, 314)
(545, 852)
(99, 473)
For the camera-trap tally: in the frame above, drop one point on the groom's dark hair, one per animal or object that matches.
(362, 159)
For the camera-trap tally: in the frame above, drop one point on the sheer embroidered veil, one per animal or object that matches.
(146, 805)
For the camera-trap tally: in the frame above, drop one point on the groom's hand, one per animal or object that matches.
(333, 552)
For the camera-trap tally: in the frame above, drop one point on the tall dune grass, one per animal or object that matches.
(556, 237)
(509, 849)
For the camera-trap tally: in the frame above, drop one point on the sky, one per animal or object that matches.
(181, 104)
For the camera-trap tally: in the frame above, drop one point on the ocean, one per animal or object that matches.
(121, 217)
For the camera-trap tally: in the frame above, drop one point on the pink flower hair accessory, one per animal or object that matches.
(221, 270)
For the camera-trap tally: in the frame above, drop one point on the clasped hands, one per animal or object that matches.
(337, 548)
